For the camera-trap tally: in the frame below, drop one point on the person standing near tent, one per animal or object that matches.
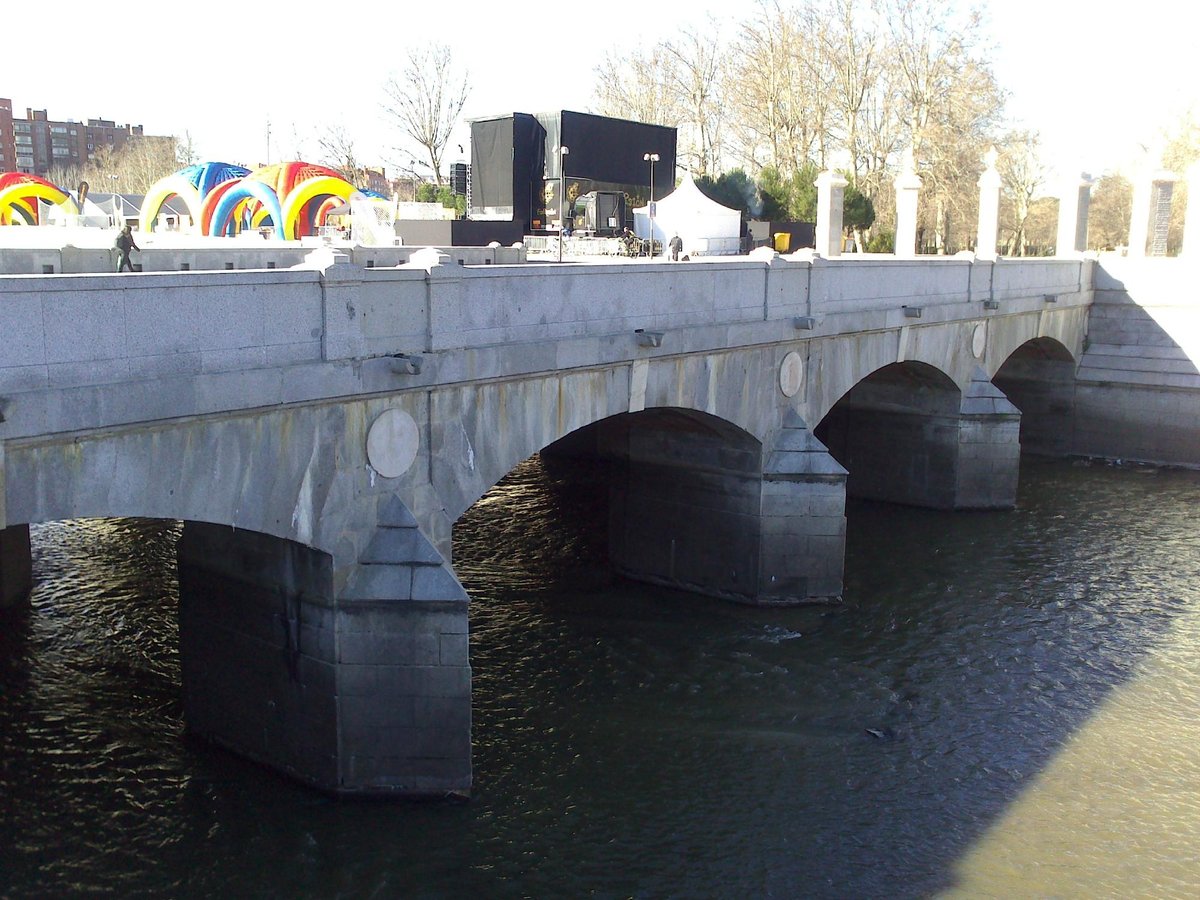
(124, 244)
(676, 245)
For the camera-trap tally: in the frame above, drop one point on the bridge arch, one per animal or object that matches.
(479, 433)
(896, 432)
(1038, 377)
(305, 583)
(271, 473)
(684, 495)
(623, 434)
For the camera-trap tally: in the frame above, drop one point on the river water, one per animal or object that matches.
(1005, 705)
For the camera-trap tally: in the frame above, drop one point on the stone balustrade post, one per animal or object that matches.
(831, 189)
(1073, 204)
(1151, 201)
(908, 195)
(989, 207)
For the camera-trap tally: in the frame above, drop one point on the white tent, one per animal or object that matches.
(706, 227)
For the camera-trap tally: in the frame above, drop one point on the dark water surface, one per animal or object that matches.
(1006, 705)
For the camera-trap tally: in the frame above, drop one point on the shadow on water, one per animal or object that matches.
(629, 740)
(860, 750)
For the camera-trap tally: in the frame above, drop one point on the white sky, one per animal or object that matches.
(1095, 77)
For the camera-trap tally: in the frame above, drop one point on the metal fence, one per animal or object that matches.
(591, 246)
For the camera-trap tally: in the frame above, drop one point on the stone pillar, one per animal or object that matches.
(989, 207)
(831, 189)
(1073, 205)
(1191, 222)
(404, 673)
(803, 518)
(908, 195)
(1164, 188)
(16, 567)
(989, 447)
(694, 511)
(1151, 213)
(363, 690)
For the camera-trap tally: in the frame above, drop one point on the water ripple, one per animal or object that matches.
(1004, 705)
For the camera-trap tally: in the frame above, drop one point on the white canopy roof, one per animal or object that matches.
(706, 227)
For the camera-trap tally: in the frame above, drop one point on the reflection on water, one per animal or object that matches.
(1003, 706)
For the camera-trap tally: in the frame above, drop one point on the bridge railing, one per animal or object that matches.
(227, 340)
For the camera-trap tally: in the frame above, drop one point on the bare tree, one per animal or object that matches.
(849, 53)
(821, 83)
(425, 100)
(131, 169)
(637, 86)
(676, 83)
(778, 102)
(1109, 213)
(952, 108)
(1022, 176)
(185, 150)
(697, 85)
(338, 153)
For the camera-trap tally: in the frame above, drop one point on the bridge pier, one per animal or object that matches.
(693, 509)
(908, 438)
(359, 689)
(989, 448)
(16, 565)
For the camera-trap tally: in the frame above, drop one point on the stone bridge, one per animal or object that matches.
(320, 430)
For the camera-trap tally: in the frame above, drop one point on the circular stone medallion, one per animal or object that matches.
(979, 341)
(392, 443)
(791, 374)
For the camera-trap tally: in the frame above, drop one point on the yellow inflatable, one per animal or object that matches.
(307, 190)
(161, 191)
(20, 193)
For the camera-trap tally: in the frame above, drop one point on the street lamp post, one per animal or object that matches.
(651, 158)
(562, 196)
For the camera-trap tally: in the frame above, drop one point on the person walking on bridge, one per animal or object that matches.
(124, 244)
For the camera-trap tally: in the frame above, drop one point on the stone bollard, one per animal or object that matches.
(1073, 216)
(989, 207)
(908, 195)
(831, 189)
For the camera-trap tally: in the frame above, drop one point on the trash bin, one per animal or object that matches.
(783, 241)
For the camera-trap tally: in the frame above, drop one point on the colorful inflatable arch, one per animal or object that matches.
(223, 214)
(191, 185)
(284, 177)
(317, 189)
(19, 193)
(20, 212)
(316, 182)
(294, 198)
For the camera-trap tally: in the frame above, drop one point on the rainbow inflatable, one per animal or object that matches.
(293, 198)
(20, 193)
(191, 186)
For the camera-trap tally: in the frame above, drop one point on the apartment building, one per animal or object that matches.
(36, 143)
